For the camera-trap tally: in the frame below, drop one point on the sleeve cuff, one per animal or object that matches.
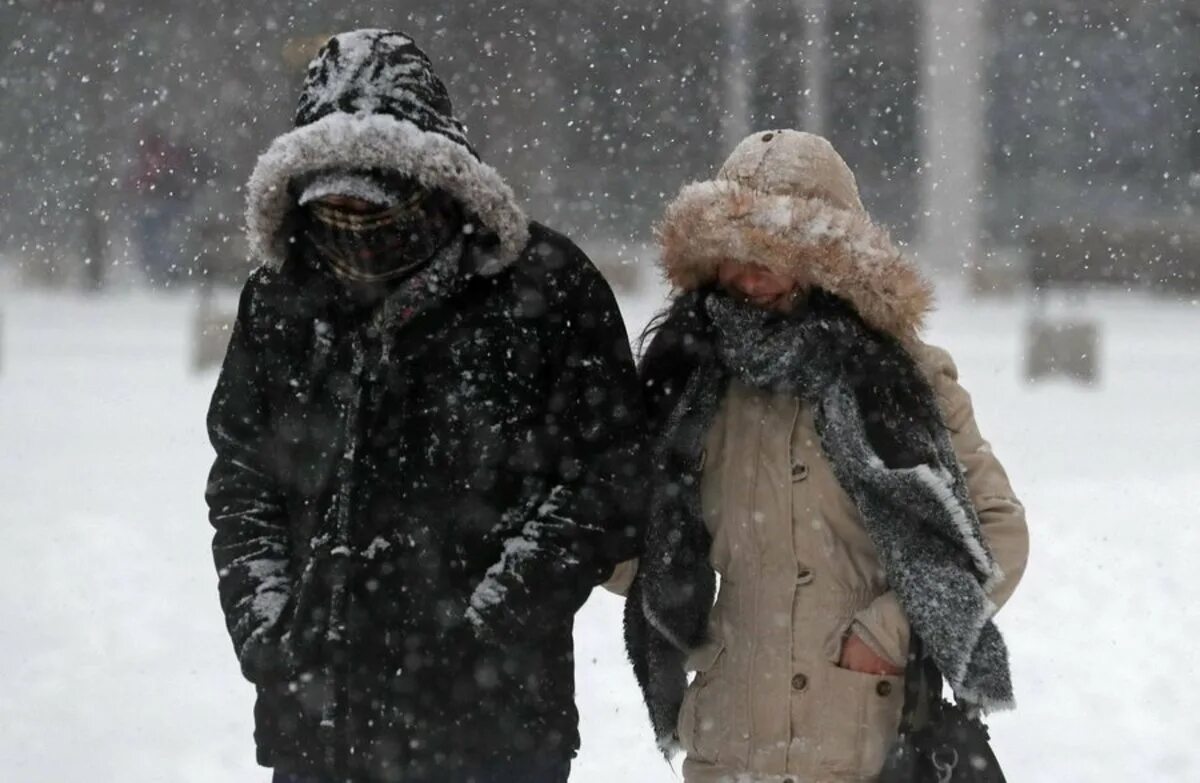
(622, 578)
(884, 628)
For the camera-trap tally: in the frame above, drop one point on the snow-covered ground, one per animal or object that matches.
(117, 667)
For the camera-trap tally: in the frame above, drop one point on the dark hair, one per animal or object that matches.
(671, 346)
(656, 325)
(682, 313)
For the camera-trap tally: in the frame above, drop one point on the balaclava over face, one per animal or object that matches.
(383, 230)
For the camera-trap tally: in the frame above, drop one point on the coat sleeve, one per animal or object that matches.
(246, 507)
(883, 625)
(588, 520)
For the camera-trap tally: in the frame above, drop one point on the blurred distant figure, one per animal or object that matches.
(825, 462)
(427, 433)
(162, 184)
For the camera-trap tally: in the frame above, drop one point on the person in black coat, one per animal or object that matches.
(428, 433)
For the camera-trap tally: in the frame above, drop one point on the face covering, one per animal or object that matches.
(385, 244)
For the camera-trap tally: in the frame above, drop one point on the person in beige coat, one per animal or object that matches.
(821, 489)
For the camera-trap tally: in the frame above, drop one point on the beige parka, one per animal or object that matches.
(797, 569)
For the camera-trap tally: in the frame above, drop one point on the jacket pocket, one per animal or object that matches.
(881, 723)
(703, 717)
(861, 714)
(304, 622)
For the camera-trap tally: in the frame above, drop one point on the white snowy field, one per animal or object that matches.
(117, 667)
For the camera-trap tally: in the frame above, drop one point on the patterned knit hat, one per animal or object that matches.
(378, 72)
(371, 101)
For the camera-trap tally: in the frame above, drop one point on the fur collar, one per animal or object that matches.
(378, 141)
(838, 250)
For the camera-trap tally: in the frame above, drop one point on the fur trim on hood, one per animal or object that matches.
(838, 250)
(378, 141)
(371, 100)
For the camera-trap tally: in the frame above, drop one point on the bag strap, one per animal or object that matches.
(922, 688)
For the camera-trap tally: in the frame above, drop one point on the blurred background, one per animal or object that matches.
(1039, 158)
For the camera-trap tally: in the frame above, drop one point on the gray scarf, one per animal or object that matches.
(888, 446)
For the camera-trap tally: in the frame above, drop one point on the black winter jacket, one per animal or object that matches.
(369, 477)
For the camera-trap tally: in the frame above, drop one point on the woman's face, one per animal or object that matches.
(758, 285)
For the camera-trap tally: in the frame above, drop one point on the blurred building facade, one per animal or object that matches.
(597, 113)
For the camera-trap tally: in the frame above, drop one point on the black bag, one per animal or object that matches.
(939, 742)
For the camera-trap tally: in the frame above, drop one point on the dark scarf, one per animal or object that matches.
(888, 446)
(371, 251)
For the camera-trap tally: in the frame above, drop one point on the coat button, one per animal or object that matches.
(799, 471)
(702, 461)
(804, 576)
(800, 682)
(884, 689)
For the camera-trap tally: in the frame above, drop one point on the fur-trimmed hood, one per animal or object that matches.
(786, 201)
(372, 101)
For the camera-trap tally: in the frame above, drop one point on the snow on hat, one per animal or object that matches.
(371, 101)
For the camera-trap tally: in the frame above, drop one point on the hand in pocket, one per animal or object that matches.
(857, 656)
